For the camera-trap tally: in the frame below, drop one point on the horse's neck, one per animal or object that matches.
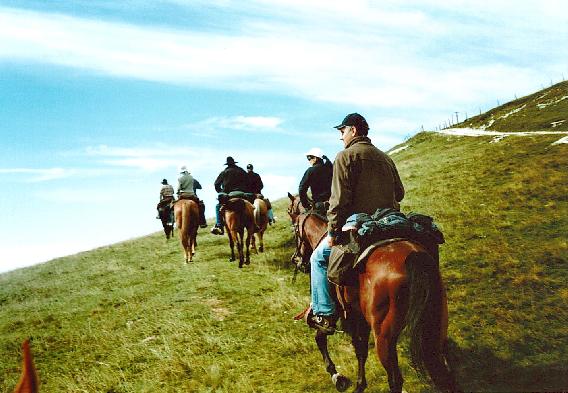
(314, 229)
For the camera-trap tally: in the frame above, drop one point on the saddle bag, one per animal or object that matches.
(340, 268)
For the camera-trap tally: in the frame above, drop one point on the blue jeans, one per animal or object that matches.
(322, 302)
(218, 222)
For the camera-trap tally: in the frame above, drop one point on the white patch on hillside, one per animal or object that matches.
(561, 140)
(513, 112)
(553, 102)
(557, 123)
(397, 150)
(482, 132)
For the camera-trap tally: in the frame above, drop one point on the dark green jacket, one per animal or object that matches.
(364, 180)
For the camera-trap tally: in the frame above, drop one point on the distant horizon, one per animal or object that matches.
(101, 101)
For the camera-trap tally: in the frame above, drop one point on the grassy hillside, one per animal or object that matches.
(132, 318)
(544, 110)
(504, 210)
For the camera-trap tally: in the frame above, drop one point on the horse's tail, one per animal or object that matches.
(424, 320)
(29, 382)
(259, 220)
(184, 227)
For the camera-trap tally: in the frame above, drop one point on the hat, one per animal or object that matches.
(182, 169)
(164, 181)
(249, 166)
(230, 161)
(315, 151)
(354, 119)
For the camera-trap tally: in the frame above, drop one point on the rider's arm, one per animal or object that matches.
(341, 195)
(219, 182)
(303, 188)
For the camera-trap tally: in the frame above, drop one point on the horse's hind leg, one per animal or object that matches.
(386, 336)
(341, 382)
(261, 241)
(247, 245)
(231, 244)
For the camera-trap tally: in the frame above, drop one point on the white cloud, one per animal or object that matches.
(250, 123)
(363, 54)
(34, 175)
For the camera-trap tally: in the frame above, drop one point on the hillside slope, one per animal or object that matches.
(544, 110)
(132, 318)
(503, 207)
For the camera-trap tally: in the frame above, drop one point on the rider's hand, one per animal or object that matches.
(331, 241)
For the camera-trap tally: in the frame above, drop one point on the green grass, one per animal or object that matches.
(544, 110)
(132, 317)
(504, 210)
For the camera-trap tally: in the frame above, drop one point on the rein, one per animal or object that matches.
(301, 240)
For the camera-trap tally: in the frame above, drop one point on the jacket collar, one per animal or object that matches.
(358, 139)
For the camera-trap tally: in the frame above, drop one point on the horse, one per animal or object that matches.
(164, 213)
(186, 213)
(260, 221)
(29, 381)
(400, 287)
(239, 215)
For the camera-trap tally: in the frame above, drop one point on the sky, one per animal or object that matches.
(102, 99)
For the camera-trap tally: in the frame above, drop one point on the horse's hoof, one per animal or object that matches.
(341, 382)
(247, 262)
(231, 259)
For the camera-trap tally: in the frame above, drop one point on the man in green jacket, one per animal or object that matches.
(364, 180)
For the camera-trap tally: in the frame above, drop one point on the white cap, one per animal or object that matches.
(315, 151)
(182, 169)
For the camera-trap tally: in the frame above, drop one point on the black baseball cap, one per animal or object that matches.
(354, 119)
(249, 166)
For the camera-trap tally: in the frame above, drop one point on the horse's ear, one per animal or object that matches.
(291, 197)
(29, 382)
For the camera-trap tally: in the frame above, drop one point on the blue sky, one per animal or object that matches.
(100, 100)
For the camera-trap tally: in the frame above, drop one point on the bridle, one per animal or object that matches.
(300, 260)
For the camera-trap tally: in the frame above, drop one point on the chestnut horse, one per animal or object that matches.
(29, 382)
(400, 287)
(261, 222)
(239, 215)
(186, 212)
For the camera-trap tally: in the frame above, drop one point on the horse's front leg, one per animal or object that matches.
(360, 341)
(341, 382)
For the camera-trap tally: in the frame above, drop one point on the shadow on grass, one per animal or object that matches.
(480, 370)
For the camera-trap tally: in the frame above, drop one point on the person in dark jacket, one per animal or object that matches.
(254, 180)
(317, 178)
(233, 178)
(256, 186)
(364, 179)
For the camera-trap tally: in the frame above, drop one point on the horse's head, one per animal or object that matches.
(294, 208)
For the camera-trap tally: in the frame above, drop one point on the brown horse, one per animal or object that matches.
(29, 382)
(186, 212)
(400, 287)
(168, 226)
(261, 222)
(239, 215)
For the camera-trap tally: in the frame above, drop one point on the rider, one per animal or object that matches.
(256, 186)
(364, 180)
(233, 178)
(187, 187)
(317, 178)
(166, 197)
